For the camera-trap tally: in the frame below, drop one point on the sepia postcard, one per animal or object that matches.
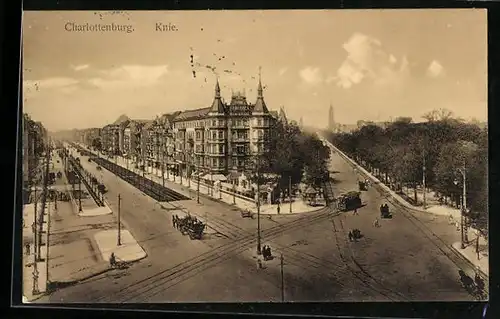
(254, 156)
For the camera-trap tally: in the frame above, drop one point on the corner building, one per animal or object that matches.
(222, 138)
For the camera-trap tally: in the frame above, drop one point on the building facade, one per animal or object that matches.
(224, 137)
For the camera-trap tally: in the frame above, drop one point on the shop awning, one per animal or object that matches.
(215, 177)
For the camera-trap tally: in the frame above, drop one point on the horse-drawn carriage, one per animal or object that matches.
(191, 226)
(246, 213)
(363, 185)
(348, 201)
(384, 211)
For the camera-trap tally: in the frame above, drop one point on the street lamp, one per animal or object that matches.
(259, 249)
(463, 234)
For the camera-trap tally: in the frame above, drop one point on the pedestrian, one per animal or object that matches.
(278, 209)
(350, 235)
(355, 212)
(376, 223)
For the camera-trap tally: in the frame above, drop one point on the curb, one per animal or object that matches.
(382, 188)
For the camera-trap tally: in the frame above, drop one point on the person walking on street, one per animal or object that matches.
(355, 212)
(278, 209)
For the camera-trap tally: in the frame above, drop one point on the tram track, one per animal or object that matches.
(458, 260)
(455, 257)
(362, 274)
(154, 285)
(169, 277)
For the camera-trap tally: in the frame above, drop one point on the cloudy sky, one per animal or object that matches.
(370, 65)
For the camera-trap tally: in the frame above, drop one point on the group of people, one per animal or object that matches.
(187, 221)
(354, 234)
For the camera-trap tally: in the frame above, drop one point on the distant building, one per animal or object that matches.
(331, 119)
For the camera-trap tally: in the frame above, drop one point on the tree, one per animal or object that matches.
(282, 157)
(316, 157)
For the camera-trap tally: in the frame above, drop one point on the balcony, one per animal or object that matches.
(242, 139)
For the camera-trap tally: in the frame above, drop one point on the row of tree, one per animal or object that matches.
(444, 147)
(293, 156)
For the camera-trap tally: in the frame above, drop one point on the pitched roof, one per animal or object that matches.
(260, 106)
(192, 114)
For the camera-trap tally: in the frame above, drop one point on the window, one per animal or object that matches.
(259, 122)
(214, 162)
(221, 149)
(235, 162)
(260, 133)
(214, 135)
(221, 134)
(198, 135)
(214, 123)
(221, 162)
(238, 122)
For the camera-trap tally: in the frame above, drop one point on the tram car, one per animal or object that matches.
(349, 201)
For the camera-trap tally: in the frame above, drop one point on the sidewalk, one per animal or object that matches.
(76, 243)
(190, 186)
(34, 274)
(469, 252)
(298, 206)
(128, 251)
(89, 206)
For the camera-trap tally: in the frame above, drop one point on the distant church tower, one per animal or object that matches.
(331, 119)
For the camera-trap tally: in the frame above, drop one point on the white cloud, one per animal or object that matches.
(311, 75)
(435, 69)
(282, 71)
(130, 76)
(80, 67)
(366, 59)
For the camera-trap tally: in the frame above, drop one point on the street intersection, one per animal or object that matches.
(394, 262)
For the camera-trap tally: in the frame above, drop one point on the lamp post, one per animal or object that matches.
(259, 250)
(463, 234)
(423, 178)
(464, 204)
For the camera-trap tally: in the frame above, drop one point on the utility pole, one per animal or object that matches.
(423, 178)
(198, 185)
(211, 182)
(282, 279)
(190, 158)
(464, 206)
(234, 192)
(35, 241)
(80, 194)
(47, 257)
(119, 221)
(163, 164)
(290, 191)
(259, 250)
